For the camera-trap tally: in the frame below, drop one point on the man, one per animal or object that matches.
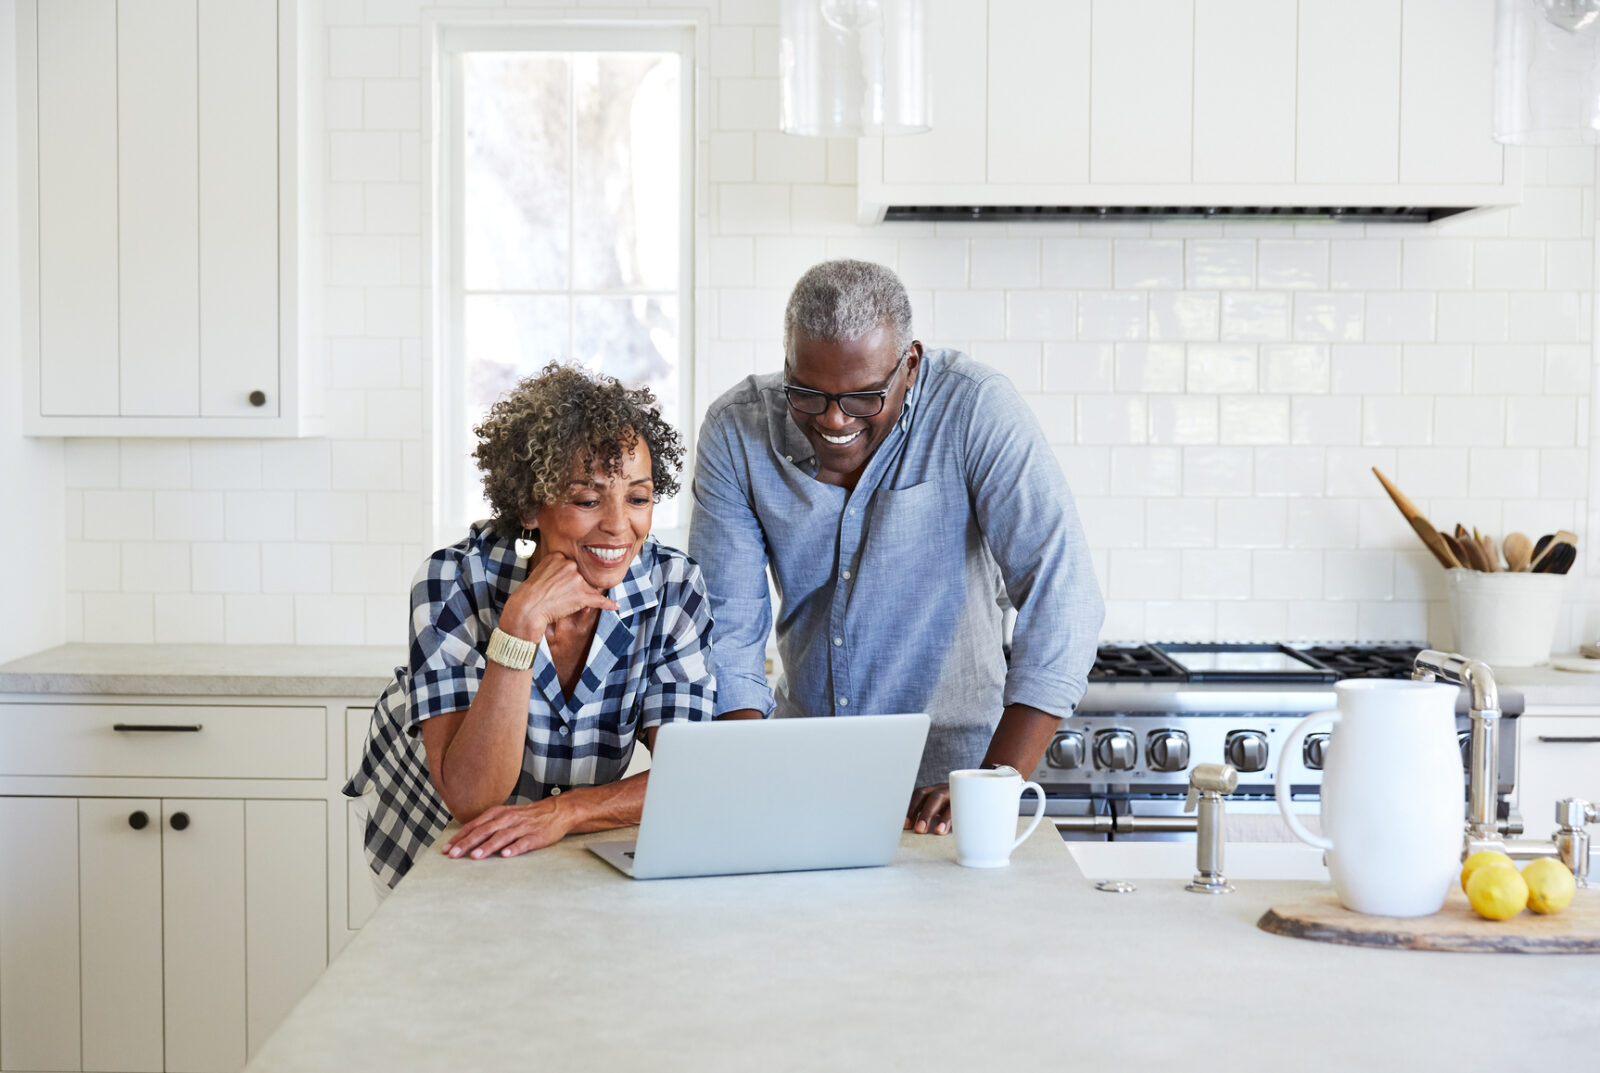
(898, 499)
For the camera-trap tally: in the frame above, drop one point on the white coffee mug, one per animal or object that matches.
(983, 811)
(1393, 811)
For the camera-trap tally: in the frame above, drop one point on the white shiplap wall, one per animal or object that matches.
(1217, 393)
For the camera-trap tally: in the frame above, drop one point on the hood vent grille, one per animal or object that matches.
(1359, 214)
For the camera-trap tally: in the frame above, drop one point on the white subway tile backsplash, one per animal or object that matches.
(1286, 575)
(155, 464)
(1430, 264)
(323, 619)
(1563, 473)
(1005, 262)
(363, 52)
(1543, 317)
(732, 157)
(1180, 620)
(1289, 471)
(1388, 421)
(933, 262)
(1401, 316)
(1144, 574)
(1180, 523)
(1220, 264)
(753, 209)
(1479, 317)
(1087, 470)
(188, 515)
(1297, 264)
(1252, 620)
(1541, 421)
(1436, 369)
(1357, 574)
(1503, 473)
(969, 314)
(1546, 212)
(1216, 574)
(1078, 263)
(732, 51)
(1115, 522)
(1220, 368)
(1043, 315)
(1566, 371)
(255, 619)
(1255, 318)
(1111, 419)
(1328, 318)
(781, 260)
(1183, 419)
(93, 566)
(1295, 368)
(1326, 523)
(1150, 367)
(296, 568)
(1184, 315)
(155, 567)
(1366, 369)
(1251, 523)
(231, 567)
(1146, 471)
(1569, 266)
(1349, 470)
(1364, 264)
(1114, 315)
(188, 619)
(1218, 471)
(788, 158)
(1020, 363)
(287, 464)
(330, 516)
(1517, 265)
(1079, 367)
(1142, 264)
(118, 618)
(256, 516)
(92, 463)
(747, 103)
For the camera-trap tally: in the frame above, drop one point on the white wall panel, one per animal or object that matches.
(1038, 91)
(158, 233)
(1244, 91)
(1446, 90)
(1143, 74)
(239, 300)
(78, 206)
(1349, 80)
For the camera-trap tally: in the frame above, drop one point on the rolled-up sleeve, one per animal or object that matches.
(1028, 518)
(681, 684)
(447, 643)
(725, 538)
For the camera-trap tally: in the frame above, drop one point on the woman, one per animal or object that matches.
(545, 643)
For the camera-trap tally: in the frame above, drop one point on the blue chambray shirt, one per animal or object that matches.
(890, 596)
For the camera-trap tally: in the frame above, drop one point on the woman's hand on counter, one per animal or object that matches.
(510, 830)
(552, 591)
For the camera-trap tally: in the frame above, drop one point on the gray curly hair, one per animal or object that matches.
(845, 300)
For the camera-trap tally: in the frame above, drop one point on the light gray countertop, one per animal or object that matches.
(554, 961)
(205, 670)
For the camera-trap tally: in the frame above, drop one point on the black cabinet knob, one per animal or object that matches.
(180, 820)
(258, 398)
(138, 820)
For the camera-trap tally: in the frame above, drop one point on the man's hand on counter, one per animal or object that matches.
(1019, 742)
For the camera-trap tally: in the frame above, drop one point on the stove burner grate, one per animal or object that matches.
(1366, 661)
(1133, 663)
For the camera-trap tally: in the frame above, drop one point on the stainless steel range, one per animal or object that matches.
(1118, 767)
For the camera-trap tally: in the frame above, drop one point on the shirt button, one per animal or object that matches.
(562, 732)
(555, 791)
(788, 458)
(846, 575)
(837, 641)
(844, 702)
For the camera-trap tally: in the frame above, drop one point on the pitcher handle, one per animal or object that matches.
(1038, 813)
(1280, 785)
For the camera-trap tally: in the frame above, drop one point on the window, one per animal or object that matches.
(566, 224)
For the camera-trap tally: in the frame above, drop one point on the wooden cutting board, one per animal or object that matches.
(1574, 930)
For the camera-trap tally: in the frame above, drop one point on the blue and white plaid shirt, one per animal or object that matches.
(649, 665)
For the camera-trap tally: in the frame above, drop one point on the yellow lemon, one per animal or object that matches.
(1550, 885)
(1497, 891)
(1478, 860)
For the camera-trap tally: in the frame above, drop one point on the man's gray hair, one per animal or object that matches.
(841, 301)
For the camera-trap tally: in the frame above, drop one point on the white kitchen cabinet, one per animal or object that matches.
(1084, 103)
(165, 287)
(1558, 755)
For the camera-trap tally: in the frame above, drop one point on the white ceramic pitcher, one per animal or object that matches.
(1393, 810)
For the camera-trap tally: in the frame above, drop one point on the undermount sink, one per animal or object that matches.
(1175, 860)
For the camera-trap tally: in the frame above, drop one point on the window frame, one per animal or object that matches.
(451, 436)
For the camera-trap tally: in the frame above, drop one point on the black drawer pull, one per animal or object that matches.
(1591, 740)
(157, 728)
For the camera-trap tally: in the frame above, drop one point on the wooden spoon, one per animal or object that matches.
(1519, 550)
(1475, 558)
(1558, 560)
(1548, 546)
(1491, 551)
(1424, 528)
(1458, 550)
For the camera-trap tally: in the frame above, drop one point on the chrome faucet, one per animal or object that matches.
(1207, 784)
(1484, 828)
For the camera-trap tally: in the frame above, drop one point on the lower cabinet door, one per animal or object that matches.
(39, 966)
(1559, 756)
(119, 901)
(286, 908)
(204, 934)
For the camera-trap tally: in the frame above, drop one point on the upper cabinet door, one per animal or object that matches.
(1349, 89)
(1142, 69)
(76, 76)
(1244, 91)
(1039, 91)
(1446, 93)
(953, 151)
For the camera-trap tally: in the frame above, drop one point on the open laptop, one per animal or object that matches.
(773, 795)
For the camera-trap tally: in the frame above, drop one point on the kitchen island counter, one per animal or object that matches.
(553, 961)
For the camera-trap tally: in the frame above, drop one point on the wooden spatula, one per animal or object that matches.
(1424, 528)
(1470, 554)
(1491, 552)
(1542, 557)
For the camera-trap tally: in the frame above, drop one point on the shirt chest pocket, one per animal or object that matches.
(902, 524)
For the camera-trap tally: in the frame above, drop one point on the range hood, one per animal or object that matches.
(1356, 214)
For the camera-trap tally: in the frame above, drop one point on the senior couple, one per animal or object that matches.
(900, 499)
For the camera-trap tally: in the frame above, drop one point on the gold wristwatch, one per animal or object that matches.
(512, 652)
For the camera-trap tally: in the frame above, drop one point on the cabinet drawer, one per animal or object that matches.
(231, 742)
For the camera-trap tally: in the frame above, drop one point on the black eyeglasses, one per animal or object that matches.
(804, 400)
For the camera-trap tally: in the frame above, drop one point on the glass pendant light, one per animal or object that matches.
(849, 68)
(1547, 72)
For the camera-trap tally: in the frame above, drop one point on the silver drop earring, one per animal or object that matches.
(526, 544)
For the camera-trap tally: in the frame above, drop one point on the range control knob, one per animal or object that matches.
(1066, 751)
(1115, 750)
(1167, 750)
(1464, 740)
(1315, 751)
(1246, 750)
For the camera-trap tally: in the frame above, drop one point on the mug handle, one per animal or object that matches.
(1038, 813)
(1280, 784)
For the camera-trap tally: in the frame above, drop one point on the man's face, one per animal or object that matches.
(844, 443)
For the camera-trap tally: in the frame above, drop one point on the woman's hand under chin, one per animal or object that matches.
(510, 830)
(552, 590)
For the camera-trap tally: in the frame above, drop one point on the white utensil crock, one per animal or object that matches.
(1393, 803)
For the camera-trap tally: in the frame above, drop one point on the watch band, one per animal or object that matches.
(512, 652)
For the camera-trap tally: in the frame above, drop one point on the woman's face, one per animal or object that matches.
(602, 521)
